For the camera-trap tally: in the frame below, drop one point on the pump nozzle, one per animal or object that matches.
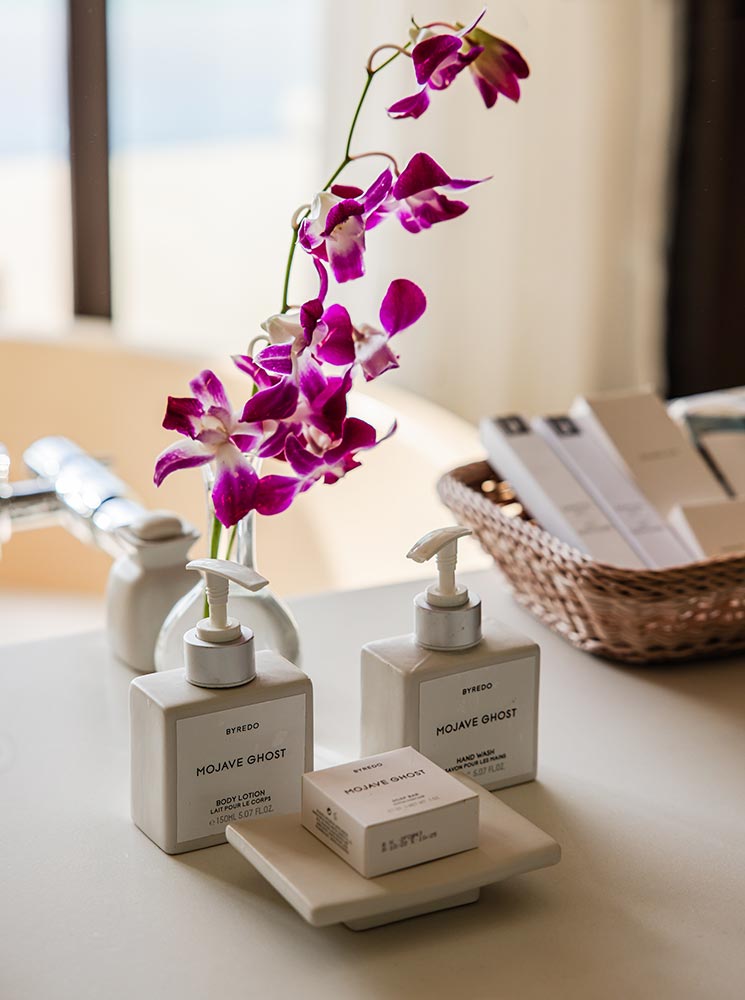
(218, 573)
(443, 543)
(447, 616)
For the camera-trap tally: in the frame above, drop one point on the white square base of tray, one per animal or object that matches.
(326, 890)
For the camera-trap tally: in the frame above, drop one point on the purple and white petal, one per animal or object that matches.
(302, 462)
(274, 444)
(310, 233)
(425, 210)
(381, 213)
(341, 213)
(245, 442)
(489, 94)
(323, 279)
(402, 305)
(213, 437)
(377, 191)
(421, 173)
(469, 27)
(275, 494)
(310, 316)
(183, 414)
(410, 107)
(184, 455)
(310, 379)
(346, 191)
(452, 67)
(235, 486)
(261, 377)
(356, 436)
(277, 402)
(337, 347)
(373, 353)
(209, 390)
(276, 360)
(345, 249)
(329, 409)
(429, 54)
(283, 327)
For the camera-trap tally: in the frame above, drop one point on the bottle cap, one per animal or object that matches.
(447, 616)
(219, 652)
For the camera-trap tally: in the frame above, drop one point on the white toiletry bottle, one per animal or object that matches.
(466, 698)
(227, 737)
(146, 580)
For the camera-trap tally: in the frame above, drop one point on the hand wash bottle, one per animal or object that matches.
(465, 698)
(227, 737)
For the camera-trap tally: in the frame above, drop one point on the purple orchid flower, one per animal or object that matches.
(335, 462)
(332, 338)
(345, 344)
(299, 325)
(215, 434)
(438, 58)
(335, 229)
(295, 396)
(417, 197)
(319, 440)
(498, 69)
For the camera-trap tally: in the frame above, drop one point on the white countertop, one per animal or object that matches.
(641, 780)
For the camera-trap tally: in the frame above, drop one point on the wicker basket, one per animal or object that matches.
(636, 616)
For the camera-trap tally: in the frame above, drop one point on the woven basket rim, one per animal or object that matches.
(463, 474)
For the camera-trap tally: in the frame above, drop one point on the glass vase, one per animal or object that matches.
(266, 614)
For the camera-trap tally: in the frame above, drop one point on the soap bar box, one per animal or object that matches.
(390, 811)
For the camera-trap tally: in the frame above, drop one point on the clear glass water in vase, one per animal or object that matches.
(266, 614)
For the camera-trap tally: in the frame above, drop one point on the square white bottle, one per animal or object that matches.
(466, 698)
(228, 737)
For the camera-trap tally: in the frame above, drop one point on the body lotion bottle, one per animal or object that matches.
(227, 737)
(464, 696)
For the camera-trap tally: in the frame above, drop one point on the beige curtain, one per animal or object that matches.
(554, 282)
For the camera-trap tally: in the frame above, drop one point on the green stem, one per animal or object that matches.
(346, 160)
(231, 541)
(347, 149)
(214, 552)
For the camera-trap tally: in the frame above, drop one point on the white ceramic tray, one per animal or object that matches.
(326, 890)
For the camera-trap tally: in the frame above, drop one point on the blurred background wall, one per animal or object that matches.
(554, 282)
(605, 251)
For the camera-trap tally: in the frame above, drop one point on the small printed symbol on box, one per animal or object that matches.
(512, 424)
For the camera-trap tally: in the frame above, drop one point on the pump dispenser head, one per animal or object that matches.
(219, 652)
(447, 615)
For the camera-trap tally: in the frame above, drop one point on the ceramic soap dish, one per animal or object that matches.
(326, 890)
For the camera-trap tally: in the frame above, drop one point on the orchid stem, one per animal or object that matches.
(376, 152)
(214, 551)
(231, 541)
(346, 159)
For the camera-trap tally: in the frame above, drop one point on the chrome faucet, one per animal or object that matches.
(149, 575)
(68, 487)
(28, 503)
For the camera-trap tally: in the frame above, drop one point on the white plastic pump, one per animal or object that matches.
(447, 615)
(219, 652)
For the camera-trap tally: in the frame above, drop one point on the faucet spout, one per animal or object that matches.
(68, 487)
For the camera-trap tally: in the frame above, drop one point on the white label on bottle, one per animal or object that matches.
(239, 764)
(482, 722)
